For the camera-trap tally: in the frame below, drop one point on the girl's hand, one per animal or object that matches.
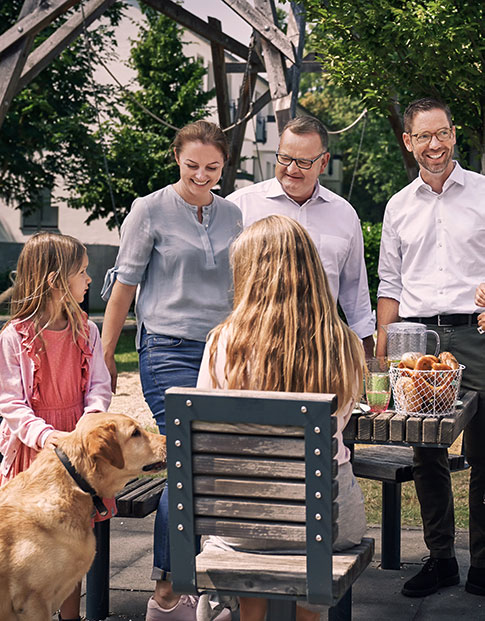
(480, 295)
(53, 438)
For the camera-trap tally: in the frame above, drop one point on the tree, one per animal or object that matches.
(48, 134)
(388, 52)
(138, 152)
(378, 173)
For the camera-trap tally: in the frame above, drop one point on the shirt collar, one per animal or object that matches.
(457, 175)
(275, 190)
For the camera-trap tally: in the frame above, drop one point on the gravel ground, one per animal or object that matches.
(129, 399)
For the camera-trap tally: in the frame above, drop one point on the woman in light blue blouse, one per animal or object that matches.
(175, 249)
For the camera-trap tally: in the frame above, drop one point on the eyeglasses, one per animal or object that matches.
(285, 160)
(442, 134)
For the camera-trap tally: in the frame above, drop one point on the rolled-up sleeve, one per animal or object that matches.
(136, 245)
(354, 288)
(390, 261)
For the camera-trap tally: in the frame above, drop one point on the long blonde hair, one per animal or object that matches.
(284, 333)
(42, 255)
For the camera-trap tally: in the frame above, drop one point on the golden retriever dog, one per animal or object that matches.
(46, 537)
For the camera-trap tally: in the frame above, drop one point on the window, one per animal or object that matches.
(44, 217)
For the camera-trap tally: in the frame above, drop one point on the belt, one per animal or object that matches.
(458, 319)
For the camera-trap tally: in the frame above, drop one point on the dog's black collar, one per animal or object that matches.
(82, 483)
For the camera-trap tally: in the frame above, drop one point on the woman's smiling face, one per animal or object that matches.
(200, 167)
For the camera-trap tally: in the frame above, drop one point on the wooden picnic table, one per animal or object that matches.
(410, 429)
(392, 464)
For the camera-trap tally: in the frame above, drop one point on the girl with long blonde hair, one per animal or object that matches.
(285, 334)
(52, 369)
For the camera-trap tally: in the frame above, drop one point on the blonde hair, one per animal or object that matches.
(42, 255)
(284, 333)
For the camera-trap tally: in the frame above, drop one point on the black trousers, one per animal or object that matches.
(431, 472)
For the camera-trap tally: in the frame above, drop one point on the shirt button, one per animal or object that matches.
(440, 245)
(441, 269)
(439, 220)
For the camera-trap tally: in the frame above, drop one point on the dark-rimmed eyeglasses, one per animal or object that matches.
(443, 134)
(285, 160)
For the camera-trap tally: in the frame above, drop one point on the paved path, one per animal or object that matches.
(376, 595)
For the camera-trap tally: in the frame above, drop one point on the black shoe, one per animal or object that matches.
(476, 581)
(435, 573)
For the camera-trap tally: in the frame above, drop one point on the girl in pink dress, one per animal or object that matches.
(51, 363)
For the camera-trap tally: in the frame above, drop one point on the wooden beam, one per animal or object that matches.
(275, 70)
(199, 26)
(60, 39)
(220, 79)
(264, 26)
(296, 34)
(34, 22)
(12, 62)
(237, 135)
(307, 66)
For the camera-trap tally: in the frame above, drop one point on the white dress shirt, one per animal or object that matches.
(433, 246)
(335, 230)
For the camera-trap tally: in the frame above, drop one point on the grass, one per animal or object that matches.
(126, 356)
(410, 514)
(127, 360)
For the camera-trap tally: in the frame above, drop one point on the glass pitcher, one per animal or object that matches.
(404, 337)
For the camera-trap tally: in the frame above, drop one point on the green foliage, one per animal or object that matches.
(372, 240)
(47, 134)
(138, 150)
(381, 51)
(379, 173)
(126, 356)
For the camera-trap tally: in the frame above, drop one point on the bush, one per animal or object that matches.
(372, 240)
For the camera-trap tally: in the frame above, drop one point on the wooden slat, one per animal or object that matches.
(430, 430)
(249, 509)
(447, 428)
(257, 530)
(278, 469)
(384, 463)
(414, 426)
(248, 429)
(381, 426)
(247, 445)
(243, 487)
(244, 572)
(365, 427)
(397, 428)
(350, 431)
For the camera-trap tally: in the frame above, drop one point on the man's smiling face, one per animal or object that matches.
(435, 157)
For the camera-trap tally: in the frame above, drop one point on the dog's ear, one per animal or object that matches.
(102, 443)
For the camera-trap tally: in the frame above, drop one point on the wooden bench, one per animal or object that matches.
(137, 499)
(392, 465)
(258, 465)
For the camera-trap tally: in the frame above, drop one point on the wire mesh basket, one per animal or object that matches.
(425, 393)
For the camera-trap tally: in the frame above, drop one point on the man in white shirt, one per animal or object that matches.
(329, 219)
(432, 257)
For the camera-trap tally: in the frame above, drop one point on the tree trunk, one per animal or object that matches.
(397, 127)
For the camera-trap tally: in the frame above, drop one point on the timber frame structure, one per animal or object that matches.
(270, 51)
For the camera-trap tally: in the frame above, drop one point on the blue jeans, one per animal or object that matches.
(165, 361)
